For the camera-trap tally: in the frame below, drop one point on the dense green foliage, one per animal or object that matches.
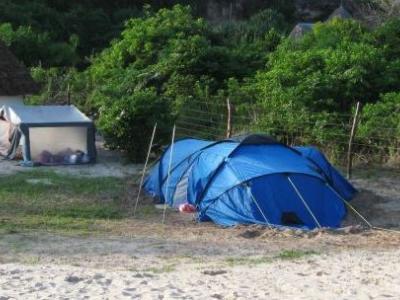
(380, 126)
(32, 46)
(130, 66)
(85, 25)
(54, 30)
(173, 60)
(313, 83)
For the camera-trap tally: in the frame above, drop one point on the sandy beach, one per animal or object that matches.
(325, 266)
(351, 275)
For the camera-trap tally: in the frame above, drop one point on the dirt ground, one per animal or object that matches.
(110, 163)
(144, 259)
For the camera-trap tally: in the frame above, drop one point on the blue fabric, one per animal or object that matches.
(333, 176)
(183, 149)
(232, 183)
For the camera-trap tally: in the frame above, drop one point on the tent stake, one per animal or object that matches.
(304, 202)
(144, 168)
(169, 171)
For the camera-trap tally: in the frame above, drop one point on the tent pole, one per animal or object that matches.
(350, 206)
(169, 170)
(304, 202)
(258, 206)
(145, 167)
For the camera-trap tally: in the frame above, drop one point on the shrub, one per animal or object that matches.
(379, 129)
(127, 123)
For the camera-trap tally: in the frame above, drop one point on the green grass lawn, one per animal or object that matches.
(49, 201)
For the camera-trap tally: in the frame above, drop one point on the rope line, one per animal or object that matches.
(349, 205)
(258, 206)
(304, 202)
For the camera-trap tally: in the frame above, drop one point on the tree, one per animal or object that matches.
(380, 125)
(163, 55)
(37, 48)
(311, 84)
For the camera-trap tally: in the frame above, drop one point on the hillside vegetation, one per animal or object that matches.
(130, 66)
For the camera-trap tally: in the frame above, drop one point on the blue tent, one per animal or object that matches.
(251, 180)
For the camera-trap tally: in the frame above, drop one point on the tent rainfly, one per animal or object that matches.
(47, 134)
(252, 180)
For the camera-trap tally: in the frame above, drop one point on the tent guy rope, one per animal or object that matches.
(304, 202)
(352, 208)
(258, 206)
(349, 205)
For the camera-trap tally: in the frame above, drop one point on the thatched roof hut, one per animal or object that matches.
(15, 78)
(340, 13)
(300, 30)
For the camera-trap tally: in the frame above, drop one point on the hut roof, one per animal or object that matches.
(15, 78)
(341, 13)
(300, 29)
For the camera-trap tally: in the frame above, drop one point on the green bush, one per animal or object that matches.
(167, 56)
(380, 126)
(59, 84)
(309, 87)
(127, 123)
(170, 66)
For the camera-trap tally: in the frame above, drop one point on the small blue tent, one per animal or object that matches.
(251, 180)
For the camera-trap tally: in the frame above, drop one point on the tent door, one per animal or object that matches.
(180, 195)
(291, 219)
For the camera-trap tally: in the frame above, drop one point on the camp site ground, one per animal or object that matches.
(68, 232)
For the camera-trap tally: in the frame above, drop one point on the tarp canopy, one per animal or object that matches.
(47, 134)
(251, 179)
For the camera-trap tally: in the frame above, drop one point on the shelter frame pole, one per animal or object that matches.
(68, 94)
(169, 171)
(228, 119)
(258, 206)
(350, 148)
(145, 168)
(304, 202)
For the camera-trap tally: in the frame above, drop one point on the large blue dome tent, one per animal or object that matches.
(251, 180)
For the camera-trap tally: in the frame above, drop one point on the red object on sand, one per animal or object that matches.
(187, 208)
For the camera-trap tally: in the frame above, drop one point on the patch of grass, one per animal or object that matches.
(163, 269)
(238, 261)
(21, 223)
(31, 260)
(144, 211)
(294, 254)
(253, 261)
(48, 201)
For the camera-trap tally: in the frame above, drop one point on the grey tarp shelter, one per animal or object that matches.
(59, 134)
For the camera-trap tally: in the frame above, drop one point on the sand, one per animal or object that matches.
(44, 266)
